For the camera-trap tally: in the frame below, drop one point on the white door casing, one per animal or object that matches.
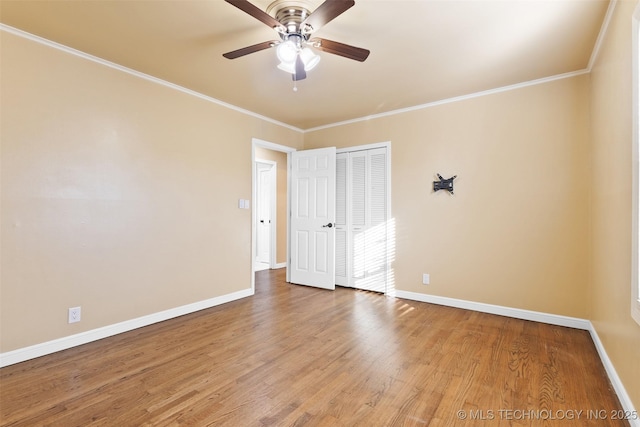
(313, 198)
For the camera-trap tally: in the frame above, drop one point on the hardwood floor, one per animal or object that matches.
(293, 356)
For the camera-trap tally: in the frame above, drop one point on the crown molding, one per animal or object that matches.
(454, 99)
(603, 32)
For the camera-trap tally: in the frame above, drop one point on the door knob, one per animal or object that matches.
(328, 225)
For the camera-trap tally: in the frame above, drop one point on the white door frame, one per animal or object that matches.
(255, 142)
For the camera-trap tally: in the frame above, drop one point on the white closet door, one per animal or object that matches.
(367, 197)
(342, 274)
(376, 234)
(358, 216)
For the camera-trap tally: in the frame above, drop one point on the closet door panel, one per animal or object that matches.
(362, 219)
(342, 272)
(357, 192)
(376, 236)
(357, 196)
(378, 187)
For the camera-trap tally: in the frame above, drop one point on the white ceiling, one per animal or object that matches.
(422, 51)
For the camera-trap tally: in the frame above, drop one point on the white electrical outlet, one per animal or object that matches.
(425, 279)
(75, 314)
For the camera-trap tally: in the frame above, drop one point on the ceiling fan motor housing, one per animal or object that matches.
(290, 14)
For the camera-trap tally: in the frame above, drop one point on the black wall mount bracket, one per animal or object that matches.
(444, 184)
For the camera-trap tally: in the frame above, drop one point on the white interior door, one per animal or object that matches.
(264, 183)
(313, 197)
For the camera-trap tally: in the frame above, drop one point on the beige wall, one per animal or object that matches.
(281, 199)
(516, 231)
(611, 201)
(118, 195)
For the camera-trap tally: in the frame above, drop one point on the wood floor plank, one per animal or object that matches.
(299, 356)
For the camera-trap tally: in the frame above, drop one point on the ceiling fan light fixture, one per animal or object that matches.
(289, 67)
(287, 52)
(309, 59)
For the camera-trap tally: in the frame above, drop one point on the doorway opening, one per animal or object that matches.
(269, 230)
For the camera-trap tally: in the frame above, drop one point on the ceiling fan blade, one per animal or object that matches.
(256, 12)
(300, 73)
(249, 49)
(326, 12)
(341, 49)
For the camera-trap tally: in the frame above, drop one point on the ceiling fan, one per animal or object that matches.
(295, 25)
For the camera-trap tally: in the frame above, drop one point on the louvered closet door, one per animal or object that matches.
(342, 274)
(376, 234)
(358, 216)
(367, 218)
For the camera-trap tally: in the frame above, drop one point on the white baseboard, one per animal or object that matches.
(536, 316)
(280, 265)
(624, 398)
(31, 352)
